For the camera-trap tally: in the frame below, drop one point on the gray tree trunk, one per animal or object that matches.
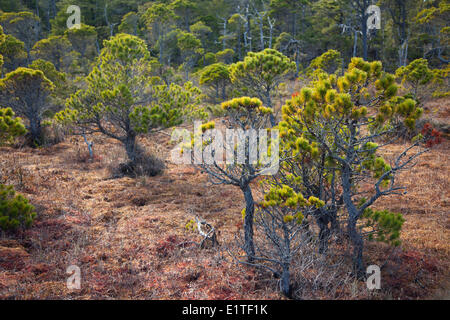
(130, 147)
(35, 129)
(357, 242)
(353, 215)
(324, 234)
(249, 245)
(285, 280)
(364, 39)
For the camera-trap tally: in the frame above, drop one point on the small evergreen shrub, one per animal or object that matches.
(15, 210)
(385, 226)
(10, 126)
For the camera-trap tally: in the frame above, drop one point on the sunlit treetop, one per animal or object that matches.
(329, 62)
(214, 73)
(246, 105)
(268, 65)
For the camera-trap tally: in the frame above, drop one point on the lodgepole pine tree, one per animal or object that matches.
(159, 19)
(328, 62)
(10, 126)
(54, 49)
(243, 163)
(26, 91)
(191, 49)
(122, 99)
(13, 53)
(415, 78)
(280, 218)
(15, 210)
(216, 76)
(261, 73)
(22, 25)
(336, 123)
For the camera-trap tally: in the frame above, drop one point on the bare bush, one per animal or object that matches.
(145, 164)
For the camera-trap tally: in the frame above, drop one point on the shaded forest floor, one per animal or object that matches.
(129, 239)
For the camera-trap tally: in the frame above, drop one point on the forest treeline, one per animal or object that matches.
(190, 34)
(199, 41)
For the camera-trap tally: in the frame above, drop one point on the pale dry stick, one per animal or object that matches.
(208, 234)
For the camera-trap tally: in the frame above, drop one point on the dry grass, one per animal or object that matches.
(128, 235)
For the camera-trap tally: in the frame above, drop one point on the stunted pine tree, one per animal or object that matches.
(225, 56)
(416, 78)
(59, 79)
(260, 74)
(329, 62)
(191, 49)
(122, 99)
(10, 126)
(16, 211)
(239, 158)
(26, 91)
(217, 77)
(13, 53)
(22, 25)
(280, 218)
(337, 124)
(54, 49)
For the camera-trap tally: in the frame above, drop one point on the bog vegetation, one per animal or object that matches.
(338, 93)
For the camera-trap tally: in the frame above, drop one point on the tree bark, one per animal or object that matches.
(249, 246)
(364, 37)
(324, 234)
(353, 215)
(261, 33)
(357, 241)
(355, 43)
(130, 147)
(224, 91)
(286, 261)
(268, 102)
(36, 130)
(285, 281)
(217, 92)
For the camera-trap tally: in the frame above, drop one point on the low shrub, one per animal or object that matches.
(145, 164)
(15, 210)
(10, 126)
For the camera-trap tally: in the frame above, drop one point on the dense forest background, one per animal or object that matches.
(190, 34)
